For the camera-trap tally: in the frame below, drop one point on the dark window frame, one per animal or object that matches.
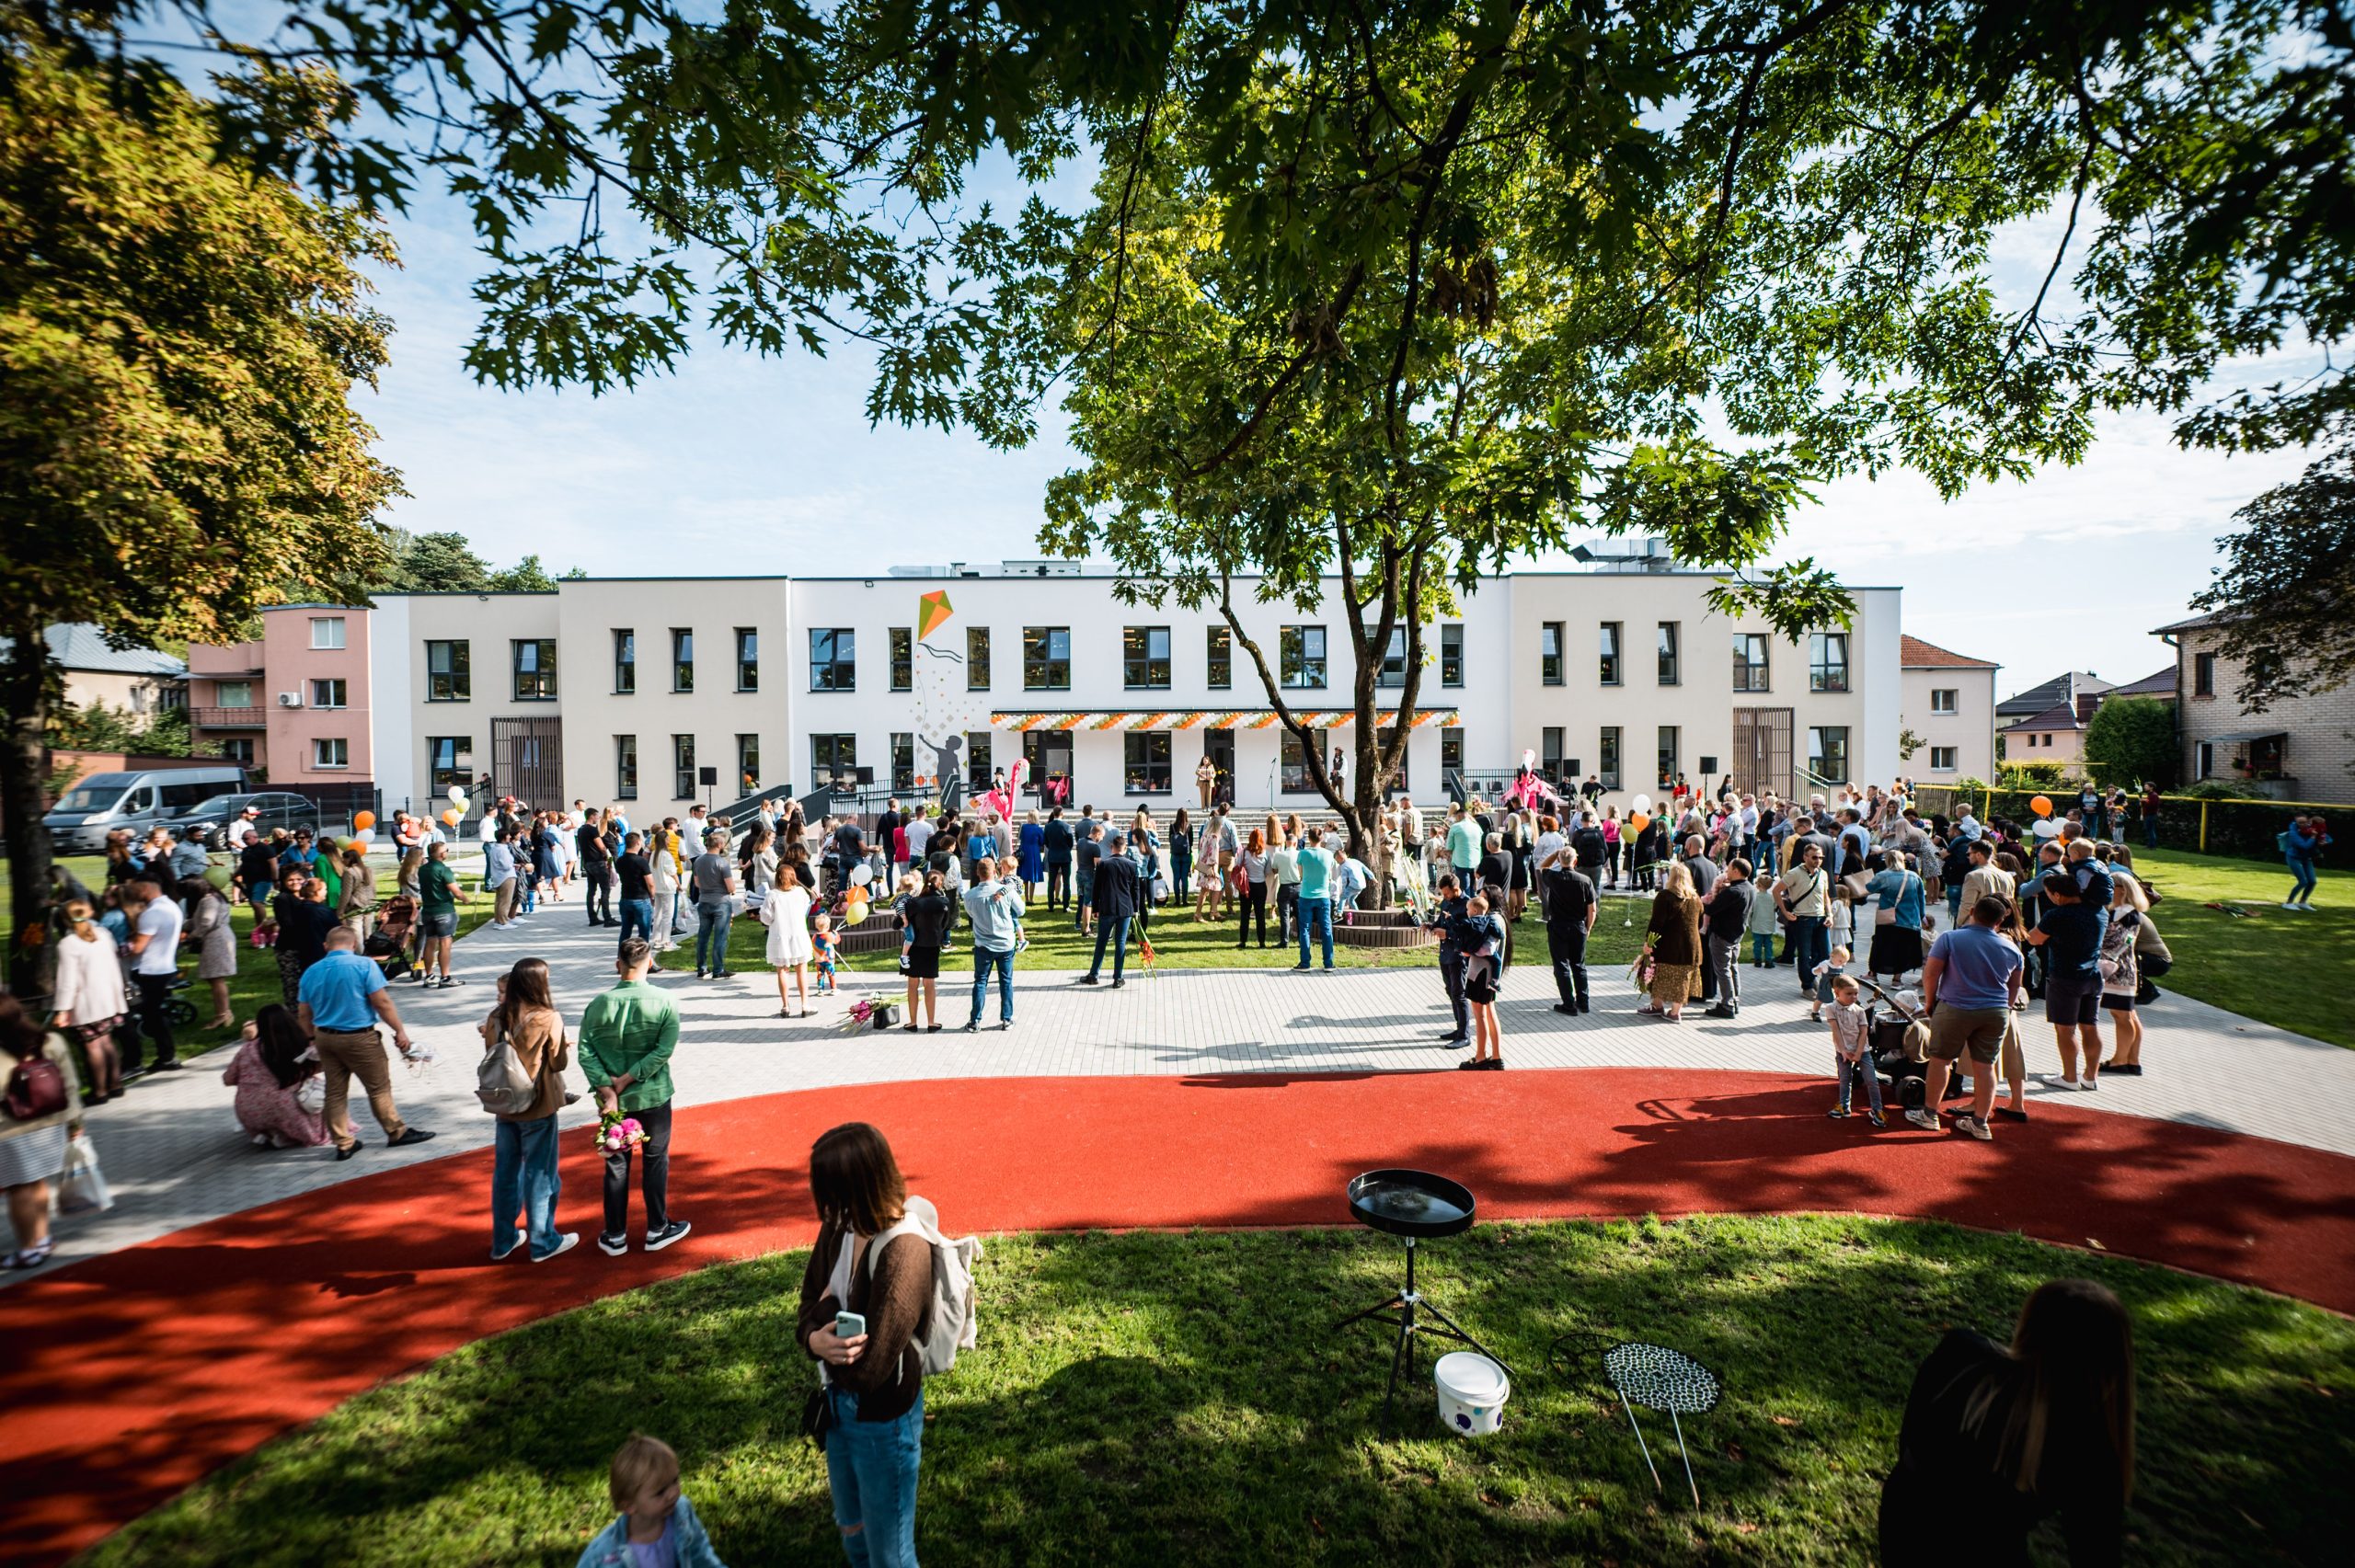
(1610, 651)
(748, 658)
(978, 670)
(1043, 670)
(624, 767)
(1451, 654)
(456, 682)
(1671, 650)
(625, 661)
(1132, 770)
(1297, 669)
(541, 678)
(835, 668)
(902, 641)
(1753, 674)
(1219, 658)
(682, 659)
(1823, 672)
(1142, 669)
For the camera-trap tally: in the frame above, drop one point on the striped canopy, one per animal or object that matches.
(1176, 718)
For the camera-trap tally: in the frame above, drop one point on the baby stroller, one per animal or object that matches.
(390, 943)
(1900, 1043)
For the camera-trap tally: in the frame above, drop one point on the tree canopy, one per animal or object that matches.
(445, 563)
(2132, 740)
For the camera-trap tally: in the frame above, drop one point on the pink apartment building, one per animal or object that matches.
(296, 703)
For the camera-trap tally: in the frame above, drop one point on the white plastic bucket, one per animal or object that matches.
(1472, 1393)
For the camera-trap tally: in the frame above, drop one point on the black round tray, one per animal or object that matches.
(1411, 1203)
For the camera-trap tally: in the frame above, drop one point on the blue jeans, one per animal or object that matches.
(871, 1468)
(1315, 916)
(523, 1175)
(2301, 873)
(1810, 945)
(711, 933)
(1954, 906)
(2151, 830)
(1114, 931)
(984, 960)
(1849, 1070)
(637, 915)
(1762, 948)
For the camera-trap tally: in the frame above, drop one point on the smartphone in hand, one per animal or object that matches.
(849, 1325)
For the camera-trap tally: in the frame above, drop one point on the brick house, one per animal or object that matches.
(2299, 749)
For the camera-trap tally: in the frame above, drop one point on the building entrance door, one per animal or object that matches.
(527, 760)
(1762, 750)
(1048, 755)
(1218, 745)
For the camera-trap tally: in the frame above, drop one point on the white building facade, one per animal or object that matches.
(662, 692)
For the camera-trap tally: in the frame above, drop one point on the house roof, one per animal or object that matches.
(2193, 625)
(2060, 691)
(2159, 685)
(77, 645)
(1915, 654)
(2062, 718)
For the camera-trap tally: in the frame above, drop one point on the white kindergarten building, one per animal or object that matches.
(670, 691)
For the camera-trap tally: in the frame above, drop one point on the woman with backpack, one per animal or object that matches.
(868, 1415)
(522, 1085)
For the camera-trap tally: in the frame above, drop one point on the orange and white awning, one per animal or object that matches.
(1212, 718)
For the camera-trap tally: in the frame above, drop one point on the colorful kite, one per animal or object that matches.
(932, 613)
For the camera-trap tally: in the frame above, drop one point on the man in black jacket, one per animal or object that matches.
(1056, 844)
(1444, 919)
(1116, 898)
(596, 868)
(1566, 895)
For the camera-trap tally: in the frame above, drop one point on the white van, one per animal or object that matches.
(99, 803)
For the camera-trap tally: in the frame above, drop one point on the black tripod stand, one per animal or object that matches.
(1402, 1310)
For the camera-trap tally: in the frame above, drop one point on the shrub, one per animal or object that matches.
(2132, 739)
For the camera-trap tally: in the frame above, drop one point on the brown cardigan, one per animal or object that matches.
(1676, 927)
(541, 1047)
(895, 1301)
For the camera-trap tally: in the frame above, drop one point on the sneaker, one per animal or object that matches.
(613, 1246)
(1456, 1042)
(1719, 1011)
(1118, 984)
(2289, 905)
(1565, 1007)
(564, 1245)
(675, 1232)
(1975, 1128)
(1085, 980)
(1923, 1119)
(2088, 1085)
(410, 1134)
(1836, 1113)
(499, 1254)
(971, 1026)
(174, 1065)
(1876, 1118)
(2054, 1081)
(1006, 1023)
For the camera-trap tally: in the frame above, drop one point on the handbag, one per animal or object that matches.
(36, 1089)
(84, 1188)
(817, 1417)
(311, 1094)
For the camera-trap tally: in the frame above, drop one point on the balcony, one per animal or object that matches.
(228, 719)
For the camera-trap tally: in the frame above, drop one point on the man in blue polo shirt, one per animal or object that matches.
(1968, 982)
(1315, 865)
(342, 996)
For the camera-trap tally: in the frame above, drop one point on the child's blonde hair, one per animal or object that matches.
(821, 922)
(1841, 954)
(636, 1464)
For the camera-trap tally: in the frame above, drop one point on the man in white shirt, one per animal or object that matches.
(154, 964)
(919, 832)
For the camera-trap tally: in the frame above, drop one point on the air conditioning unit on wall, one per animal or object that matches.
(290, 698)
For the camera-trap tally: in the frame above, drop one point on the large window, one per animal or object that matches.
(535, 671)
(1046, 658)
(1607, 769)
(327, 693)
(1294, 769)
(624, 767)
(748, 658)
(1394, 660)
(1944, 698)
(1450, 653)
(977, 658)
(1451, 751)
(978, 760)
(1144, 659)
(1301, 656)
(748, 763)
(903, 761)
(625, 661)
(833, 759)
(1941, 759)
(239, 749)
(1221, 658)
(449, 760)
(1750, 661)
(233, 694)
(327, 631)
(449, 672)
(1549, 750)
(1669, 764)
(1609, 640)
(1827, 661)
(1147, 770)
(2203, 674)
(833, 659)
(682, 658)
(1827, 753)
(1671, 668)
(1549, 653)
(903, 659)
(326, 753)
(683, 767)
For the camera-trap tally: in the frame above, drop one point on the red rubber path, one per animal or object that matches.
(131, 1376)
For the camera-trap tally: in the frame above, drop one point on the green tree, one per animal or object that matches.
(178, 340)
(526, 576)
(2132, 740)
(2281, 600)
(433, 563)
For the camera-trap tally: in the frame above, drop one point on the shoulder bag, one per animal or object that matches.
(36, 1089)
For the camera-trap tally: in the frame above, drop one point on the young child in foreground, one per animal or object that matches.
(1826, 976)
(1852, 1043)
(827, 946)
(645, 1487)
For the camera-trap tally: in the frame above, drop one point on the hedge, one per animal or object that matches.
(2246, 828)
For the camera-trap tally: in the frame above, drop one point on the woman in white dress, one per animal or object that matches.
(665, 856)
(785, 911)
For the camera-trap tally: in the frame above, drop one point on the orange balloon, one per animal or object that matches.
(1639, 820)
(2041, 805)
(362, 820)
(450, 816)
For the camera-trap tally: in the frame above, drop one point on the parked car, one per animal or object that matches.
(99, 803)
(212, 819)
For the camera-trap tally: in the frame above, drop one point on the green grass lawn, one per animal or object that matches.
(256, 980)
(1181, 942)
(1158, 1399)
(2272, 965)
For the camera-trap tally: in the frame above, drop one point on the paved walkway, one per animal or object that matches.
(172, 1151)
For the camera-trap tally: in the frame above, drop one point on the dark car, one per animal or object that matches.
(214, 820)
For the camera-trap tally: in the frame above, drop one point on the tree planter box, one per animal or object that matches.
(873, 935)
(1383, 927)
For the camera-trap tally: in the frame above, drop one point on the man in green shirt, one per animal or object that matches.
(437, 907)
(1462, 845)
(627, 1039)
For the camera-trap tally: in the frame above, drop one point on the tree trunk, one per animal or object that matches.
(24, 698)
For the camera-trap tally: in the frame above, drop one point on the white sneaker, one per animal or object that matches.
(2088, 1084)
(1922, 1119)
(564, 1245)
(2287, 904)
(2054, 1081)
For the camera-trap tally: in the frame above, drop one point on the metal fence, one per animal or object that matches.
(2249, 828)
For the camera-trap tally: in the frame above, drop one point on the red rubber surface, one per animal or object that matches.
(131, 1376)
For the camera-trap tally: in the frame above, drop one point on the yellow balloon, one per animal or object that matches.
(856, 913)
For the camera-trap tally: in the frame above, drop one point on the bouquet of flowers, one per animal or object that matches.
(1640, 971)
(616, 1131)
(861, 1014)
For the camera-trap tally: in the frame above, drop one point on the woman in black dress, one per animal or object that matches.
(927, 920)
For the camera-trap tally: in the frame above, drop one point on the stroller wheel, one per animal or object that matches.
(182, 1013)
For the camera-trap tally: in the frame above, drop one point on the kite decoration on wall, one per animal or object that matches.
(946, 707)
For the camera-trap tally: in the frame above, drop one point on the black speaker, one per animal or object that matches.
(707, 775)
(1569, 767)
(865, 775)
(1708, 766)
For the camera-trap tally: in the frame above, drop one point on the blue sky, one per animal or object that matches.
(740, 464)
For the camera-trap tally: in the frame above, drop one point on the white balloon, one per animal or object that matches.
(861, 874)
(1642, 803)
(366, 836)
(456, 795)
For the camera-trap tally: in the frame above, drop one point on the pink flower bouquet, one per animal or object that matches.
(616, 1132)
(861, 1013)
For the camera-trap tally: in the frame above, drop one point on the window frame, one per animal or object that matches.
(981, 760)
(1669, 753)
(827, 757)
(459, 771)
(1749, 674)
(330, 694)
(329, 633)
(682, 659)
(625, 661)
(1611, 746)
(839, 667)
(1451, 654)
(458, 673)
(1218, 657)
(902, 642)
(319, 753)
(1130, 767)
(1552, 742)
(1450, 745)
(1670, 650)
(1138, 665)
(748, 745)
(541, 678)
(221, 690)
(684, 767)
(748, 658)
(1040, 661)
(1952, 702)
(1611, 653)
(2203, 674)
(1292, 778)
(1294, 665)
(1549, 652)
(1822, 673)
(1394, 654)
(624, 767)
(979, 671)
(1953, 763)
(903, 747)
(1816, 755)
